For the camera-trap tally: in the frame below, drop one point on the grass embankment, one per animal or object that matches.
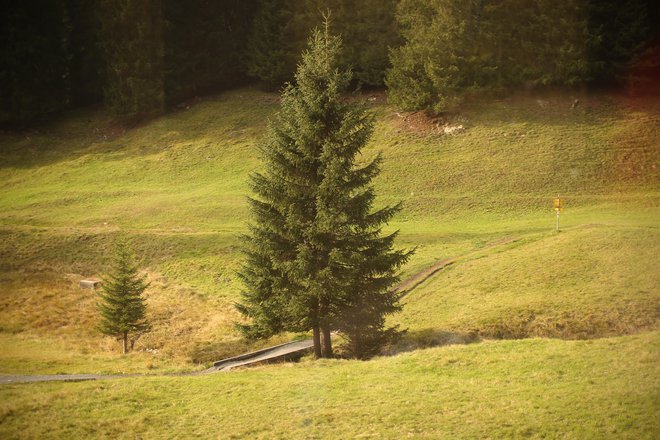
(176, 186)
(534, 388)
(589, 281)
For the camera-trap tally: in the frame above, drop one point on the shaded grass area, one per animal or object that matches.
(537, 388)
(185, 167)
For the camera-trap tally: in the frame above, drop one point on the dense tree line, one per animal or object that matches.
(137, 56)
(204, 45)
(281, 28)
(34, 63)
(140, 56)
(132, 44)
(455, 48)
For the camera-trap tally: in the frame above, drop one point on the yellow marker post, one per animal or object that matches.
(558, 204)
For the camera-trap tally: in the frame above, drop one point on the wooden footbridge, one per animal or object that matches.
(282, 352)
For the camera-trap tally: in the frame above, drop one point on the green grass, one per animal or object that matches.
(29, 354)
(177, 185)
(583, 282)
(535, 388)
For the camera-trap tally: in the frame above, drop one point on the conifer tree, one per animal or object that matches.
(122, 307)
(281, 28)
(132, 47)
(271, 56)
(315, 256)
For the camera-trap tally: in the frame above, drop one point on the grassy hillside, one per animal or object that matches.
(177, 188)
(587, 281)
(534, 388)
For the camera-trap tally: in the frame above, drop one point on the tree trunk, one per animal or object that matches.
(327, 342)
(317, 341)
(125, 342)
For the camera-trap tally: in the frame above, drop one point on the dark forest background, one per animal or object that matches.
(140, 57)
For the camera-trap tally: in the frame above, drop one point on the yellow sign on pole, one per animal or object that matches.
(558, 204)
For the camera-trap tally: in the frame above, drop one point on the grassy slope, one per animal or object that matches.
(534, 388)
(583, 282)
(177, 187)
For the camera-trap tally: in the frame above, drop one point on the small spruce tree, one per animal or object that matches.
(315, 256)
(121, 305)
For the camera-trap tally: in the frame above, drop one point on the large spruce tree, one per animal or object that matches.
(121, 305)
(315, 255)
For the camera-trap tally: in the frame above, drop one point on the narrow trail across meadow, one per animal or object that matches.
(405, 287)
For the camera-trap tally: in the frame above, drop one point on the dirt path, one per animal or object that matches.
(405, 287)
(16, 378)
(288, 351)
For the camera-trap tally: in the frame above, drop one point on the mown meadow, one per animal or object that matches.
(482, 197)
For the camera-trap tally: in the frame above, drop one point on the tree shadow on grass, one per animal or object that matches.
(428, 338)
(95, 132)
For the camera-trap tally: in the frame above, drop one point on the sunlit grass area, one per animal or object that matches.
(176, 187)
(537, 388)
(586, 281)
